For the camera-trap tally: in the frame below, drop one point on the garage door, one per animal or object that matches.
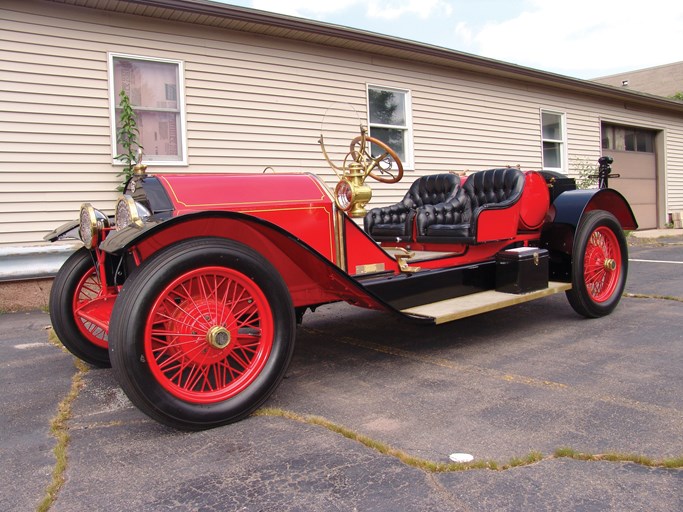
(638, 184)
(636, 162)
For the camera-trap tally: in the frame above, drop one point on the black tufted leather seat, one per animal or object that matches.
(395, 222)
(456, 221)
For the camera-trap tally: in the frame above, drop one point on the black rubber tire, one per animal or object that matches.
(64, 288)
(132, 312)
(579, 296)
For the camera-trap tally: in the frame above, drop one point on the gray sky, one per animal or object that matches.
(579, 38)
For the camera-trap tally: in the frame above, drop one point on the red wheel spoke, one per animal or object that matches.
(242, 362)
(219, 376)
(234, 300)
(193, 377)
(86, 297)
(227, 369)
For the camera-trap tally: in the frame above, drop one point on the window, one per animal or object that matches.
(621, 138)
(154, 87)
(553, 140)
(389, 120)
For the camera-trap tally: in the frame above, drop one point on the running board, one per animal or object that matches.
(476, 303)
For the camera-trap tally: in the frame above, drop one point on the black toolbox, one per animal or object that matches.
(521, 270)
(557, 183)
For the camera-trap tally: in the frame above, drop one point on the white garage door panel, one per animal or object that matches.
(630, 164)
(636, 191)
(645, 216)
(638, 183)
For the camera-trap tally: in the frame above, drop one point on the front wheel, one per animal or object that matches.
(75, 299)
(202, 333)
(599, 265)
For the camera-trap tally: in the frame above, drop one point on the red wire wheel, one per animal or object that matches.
(79, 310)
(599, 265)
(202, 333)
(602, 264)
(89, 289)
(209, 335)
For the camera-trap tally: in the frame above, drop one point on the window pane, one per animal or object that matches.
(160, 135)
(552, 126)
(387, 107)
(395, 139)
(148, 84)
(552, 155)
(154, 91)
(630, 141)
(607, 137)
(645, 142)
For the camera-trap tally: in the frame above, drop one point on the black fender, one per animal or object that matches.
(67, 231)
(571, 205)
(566, 213)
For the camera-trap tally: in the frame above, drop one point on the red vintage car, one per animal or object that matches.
(193, 291)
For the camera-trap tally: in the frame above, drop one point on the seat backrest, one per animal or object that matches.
(494, 186)
(432, 189)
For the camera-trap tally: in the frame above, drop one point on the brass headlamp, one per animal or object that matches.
(92, 223)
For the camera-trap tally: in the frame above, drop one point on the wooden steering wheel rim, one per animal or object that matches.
(387, 150)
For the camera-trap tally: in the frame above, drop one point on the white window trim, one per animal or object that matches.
(409, 163)
(563, 142)
(113, 102)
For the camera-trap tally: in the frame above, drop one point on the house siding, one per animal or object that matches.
(253, 102)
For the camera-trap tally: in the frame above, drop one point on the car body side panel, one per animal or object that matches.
(301, 202)
(311, 277)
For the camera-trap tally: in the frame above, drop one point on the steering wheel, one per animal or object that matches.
(384, 163)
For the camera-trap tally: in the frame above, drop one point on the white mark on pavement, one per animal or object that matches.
(25, 346)
(658, 261)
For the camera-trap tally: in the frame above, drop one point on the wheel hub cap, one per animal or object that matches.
(610, 264)
(218, 337)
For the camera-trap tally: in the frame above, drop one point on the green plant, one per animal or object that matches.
(127, 136)
(586, 173)
(678, 96)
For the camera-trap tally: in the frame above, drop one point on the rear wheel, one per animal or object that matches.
(599, 266)
(202, 333)
(74, 292)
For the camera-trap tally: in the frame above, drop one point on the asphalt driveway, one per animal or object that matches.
(510, 388)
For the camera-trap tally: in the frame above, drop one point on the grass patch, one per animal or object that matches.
(532, 458)
(641, 460)
(54, 340)
(652, 296)
(59, 430)
(444, 467)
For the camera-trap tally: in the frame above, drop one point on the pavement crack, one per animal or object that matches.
(60, 431)
(534, 457)
(652, 296)
(446, 494)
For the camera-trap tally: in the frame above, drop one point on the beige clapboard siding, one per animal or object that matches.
(253, 102)
(675, 179)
